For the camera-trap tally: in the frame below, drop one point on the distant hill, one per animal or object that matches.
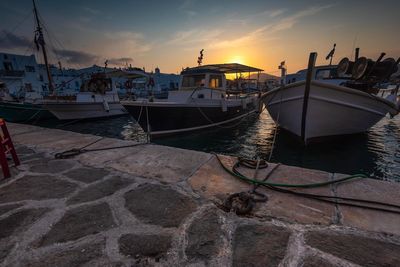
(264, 76)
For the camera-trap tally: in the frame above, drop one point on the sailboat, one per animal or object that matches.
(98, 97)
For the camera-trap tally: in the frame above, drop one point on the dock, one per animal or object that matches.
(152, 205)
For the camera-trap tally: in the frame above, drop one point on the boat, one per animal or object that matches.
(98, 98)
(334, 105)
(20, 110)
(201, 102)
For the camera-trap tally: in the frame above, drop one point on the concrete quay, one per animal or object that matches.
(152, 205)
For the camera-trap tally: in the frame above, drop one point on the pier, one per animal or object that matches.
(152, 205)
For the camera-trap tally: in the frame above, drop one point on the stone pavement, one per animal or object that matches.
(152, 205)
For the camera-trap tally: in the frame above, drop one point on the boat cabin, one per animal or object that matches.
(207, 82)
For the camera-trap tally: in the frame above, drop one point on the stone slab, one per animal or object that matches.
(297, 208)
(159, 205)
(14, 225)
(315, 261)
(163, 163)
(100, 190)
(87, 175)
(204, 238)
(7, 208)
(19, 221)
(80, 256)
(360, 250)
(52, 166)
(211, 181)
(80, 222)
(259, 245)
(141, 246)
(373, 190)
(31, 187)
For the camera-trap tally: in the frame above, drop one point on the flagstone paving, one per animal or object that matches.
(89, 212)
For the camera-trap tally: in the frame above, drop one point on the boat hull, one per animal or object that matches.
(331, 111)
(162, 119)
(23, 112)
(75, 111)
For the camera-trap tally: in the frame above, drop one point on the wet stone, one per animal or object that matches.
(80, 222)
(79, 256)
(142, 246)
(160, 205)
(52, 166)
(7, 208)
(204, 237)
(357, 249)
(36, 188)
(87, 175)
(259, 245)
(100, 190)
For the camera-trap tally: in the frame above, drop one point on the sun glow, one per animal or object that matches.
(237, 59)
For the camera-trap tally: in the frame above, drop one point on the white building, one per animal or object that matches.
(20, 73)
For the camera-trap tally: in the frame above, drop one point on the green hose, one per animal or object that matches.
(312, 185)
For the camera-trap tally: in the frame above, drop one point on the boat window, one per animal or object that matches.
(215, 81)
(193, 80)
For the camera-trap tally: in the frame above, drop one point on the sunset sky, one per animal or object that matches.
(170, 34)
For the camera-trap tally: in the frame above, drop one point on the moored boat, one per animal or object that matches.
(315, 109)
(201, 102)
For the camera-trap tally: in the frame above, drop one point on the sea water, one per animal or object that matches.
(375, 153)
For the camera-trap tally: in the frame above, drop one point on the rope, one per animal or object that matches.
(77, 151)
(324, 198)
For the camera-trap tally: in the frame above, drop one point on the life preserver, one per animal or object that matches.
(128, 84)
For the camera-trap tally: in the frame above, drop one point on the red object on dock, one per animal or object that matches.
(6, 147)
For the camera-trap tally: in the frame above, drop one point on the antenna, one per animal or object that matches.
(330, 55)
(200, 58)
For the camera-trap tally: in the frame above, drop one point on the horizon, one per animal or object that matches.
(169, 35)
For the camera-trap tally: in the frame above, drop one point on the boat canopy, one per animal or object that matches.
(228, 68)
(128, 74)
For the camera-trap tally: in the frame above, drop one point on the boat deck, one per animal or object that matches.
(157, 205)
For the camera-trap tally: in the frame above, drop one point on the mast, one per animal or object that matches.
(40, 40)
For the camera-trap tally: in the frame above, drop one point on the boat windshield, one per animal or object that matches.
(215, 81)
(97, 85)
(197, 80)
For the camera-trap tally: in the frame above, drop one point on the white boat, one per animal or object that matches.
(317, 109)
(98, 98)
(201, 102)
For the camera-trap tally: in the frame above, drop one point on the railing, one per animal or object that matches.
(12, 73)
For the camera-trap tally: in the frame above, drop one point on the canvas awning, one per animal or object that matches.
(128, 74)
(228, 68)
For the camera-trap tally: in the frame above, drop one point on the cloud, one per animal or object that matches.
(194, 36)
(10, 40)
(76, 57)
(187, 7)
(129, 42)
(214, 39)
(91, 10)
(120, 61)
